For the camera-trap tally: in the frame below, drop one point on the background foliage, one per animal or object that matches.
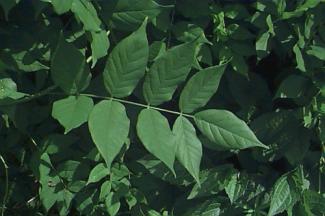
(142, 107)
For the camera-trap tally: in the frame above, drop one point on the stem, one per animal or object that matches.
(170, 25)
(34, 96)
(321, 161)
(319, 180)
(5, 197)
(138, 104)
(51, 88)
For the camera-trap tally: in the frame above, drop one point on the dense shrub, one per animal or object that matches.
(165, 107)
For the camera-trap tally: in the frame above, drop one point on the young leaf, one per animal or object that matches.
(226, 130)
(262, 44)
(189, 147)
(72, 111)
(169, 70)
(109, 128)
(154, 132)
(299, 58)
(317, 51)
(86, 13)
(127, 63)
(97, 173)
(200, 88)
(68, 67)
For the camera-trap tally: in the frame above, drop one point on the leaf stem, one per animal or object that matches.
(138, 104)
(5, 197)
(51, 88)
(131, 103)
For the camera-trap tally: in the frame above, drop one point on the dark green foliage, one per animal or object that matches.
(162, 107)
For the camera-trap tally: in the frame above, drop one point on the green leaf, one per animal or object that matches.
(97, 173)
(262, 44)
(64, 201)
(317, 51)
(8, 89)
(157, 168)
(308, 4)
(69, 69)
(126, 64)
(156, 49)
(282, 197)
(314, 202)
(187, 32)
(112, 204)
(99, 45)
(212, 181)
(72, 170)
(239, 64)
(242, 188)
(105, 189)
(154, 132)
(169, 70)
(299, 58)
(109, 128)
(61, 6)
(189, 147)
(193, 8)
(200, 88)
(72, 111)
(47, 193)
(226, 130)
(209, 207)
(86, 13)
(128, 14)
(294, 86)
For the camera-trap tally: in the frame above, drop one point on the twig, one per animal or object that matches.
(5, 197)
